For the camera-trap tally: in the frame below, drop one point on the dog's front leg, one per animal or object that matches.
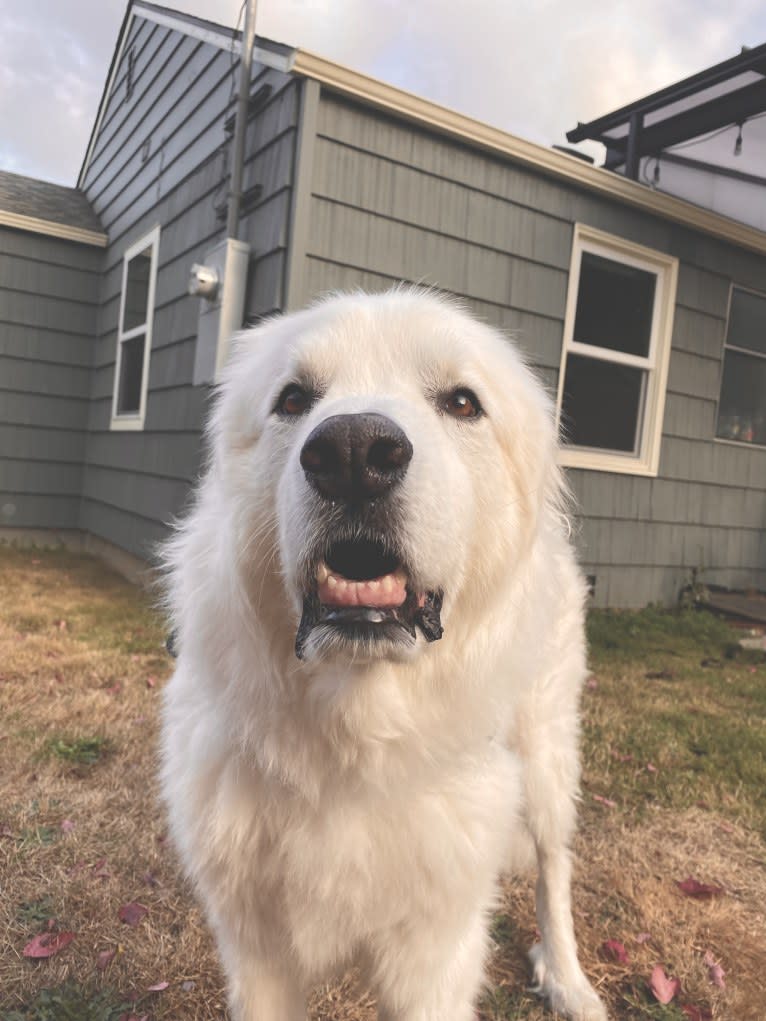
(556, 971)
(433, 973)
(261, 990)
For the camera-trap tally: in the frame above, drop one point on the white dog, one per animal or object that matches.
(345, 782)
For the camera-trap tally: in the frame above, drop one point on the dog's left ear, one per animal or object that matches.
(530, 446)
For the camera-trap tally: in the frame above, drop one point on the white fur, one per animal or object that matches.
(356, 809)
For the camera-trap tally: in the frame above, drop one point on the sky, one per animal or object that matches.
(531, 68)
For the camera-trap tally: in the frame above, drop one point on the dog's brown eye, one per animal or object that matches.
(462, 403)
(294, 400)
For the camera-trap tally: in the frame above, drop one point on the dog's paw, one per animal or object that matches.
(575, 999)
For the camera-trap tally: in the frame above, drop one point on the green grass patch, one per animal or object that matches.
(640, 1005)
(616, 636)
(676, 718)
(503, 1004)
(36, 836)
(80, 751)
(70, 1002)
(29, 623)
(34, 913)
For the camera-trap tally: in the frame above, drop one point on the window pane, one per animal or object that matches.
(602, 404)
(747, 321)
(131, 370)
(614, 305)
(137, 290)
(742, 412)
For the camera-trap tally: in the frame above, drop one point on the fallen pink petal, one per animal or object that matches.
(158, 987)
(613, 950)
(643, 937)
(691, 887)
(105, 958)
(67, 826)
(47, 944)
(663, 988)
(714, 970)
(132, 913)
(604, 801)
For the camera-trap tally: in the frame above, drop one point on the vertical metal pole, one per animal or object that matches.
(240, 123)
(633, 155)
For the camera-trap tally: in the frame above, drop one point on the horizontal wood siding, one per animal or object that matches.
(391, 201)
(48, 318)
(162, 158)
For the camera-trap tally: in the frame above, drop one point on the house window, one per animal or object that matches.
(742, 407)
(134, 332)
(614, 362)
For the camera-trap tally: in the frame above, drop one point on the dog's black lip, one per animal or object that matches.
(372, 623)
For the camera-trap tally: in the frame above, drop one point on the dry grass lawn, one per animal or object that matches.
(675, 786)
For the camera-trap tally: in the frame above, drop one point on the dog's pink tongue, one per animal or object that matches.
(382, 593)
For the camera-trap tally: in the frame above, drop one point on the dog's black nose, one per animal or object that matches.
(356, 457)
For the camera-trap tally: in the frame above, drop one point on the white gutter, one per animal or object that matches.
(443, 120)
(53, 229)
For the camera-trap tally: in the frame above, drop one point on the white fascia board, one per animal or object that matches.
(53, 229)
(404, 104)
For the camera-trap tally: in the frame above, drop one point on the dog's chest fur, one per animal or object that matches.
(331, 877)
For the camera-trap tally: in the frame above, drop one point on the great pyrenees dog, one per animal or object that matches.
(379, 621)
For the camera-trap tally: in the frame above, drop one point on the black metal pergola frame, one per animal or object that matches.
(733, 107)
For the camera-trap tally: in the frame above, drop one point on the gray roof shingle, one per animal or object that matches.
(42, 200)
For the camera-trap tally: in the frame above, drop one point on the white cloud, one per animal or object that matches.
(533, 68)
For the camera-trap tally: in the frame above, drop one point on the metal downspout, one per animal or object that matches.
(240, 124)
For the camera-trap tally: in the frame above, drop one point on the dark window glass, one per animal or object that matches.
(614, 305)
(747, 321)
(131, 370)
(137, 290)
(742, 411)
(602, 404)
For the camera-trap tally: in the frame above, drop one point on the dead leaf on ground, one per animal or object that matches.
(104, 959)
(132, 913)
(714, 970)
(691, 887)
(662, 987)
(613, 950)
(46, 944)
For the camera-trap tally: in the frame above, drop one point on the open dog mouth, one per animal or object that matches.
(362, 592)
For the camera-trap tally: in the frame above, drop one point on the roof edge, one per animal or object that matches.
(405, 104)
(275, 55)
(53, 229)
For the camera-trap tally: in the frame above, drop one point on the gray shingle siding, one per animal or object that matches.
(385, 199)
(48, 311)
(390, 200)
(162, 158)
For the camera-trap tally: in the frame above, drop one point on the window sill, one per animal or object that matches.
(126, 423)
(603, 462)
(739, 443)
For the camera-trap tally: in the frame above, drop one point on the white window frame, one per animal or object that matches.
(740, 350)
(135, 420)
(645, 460)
